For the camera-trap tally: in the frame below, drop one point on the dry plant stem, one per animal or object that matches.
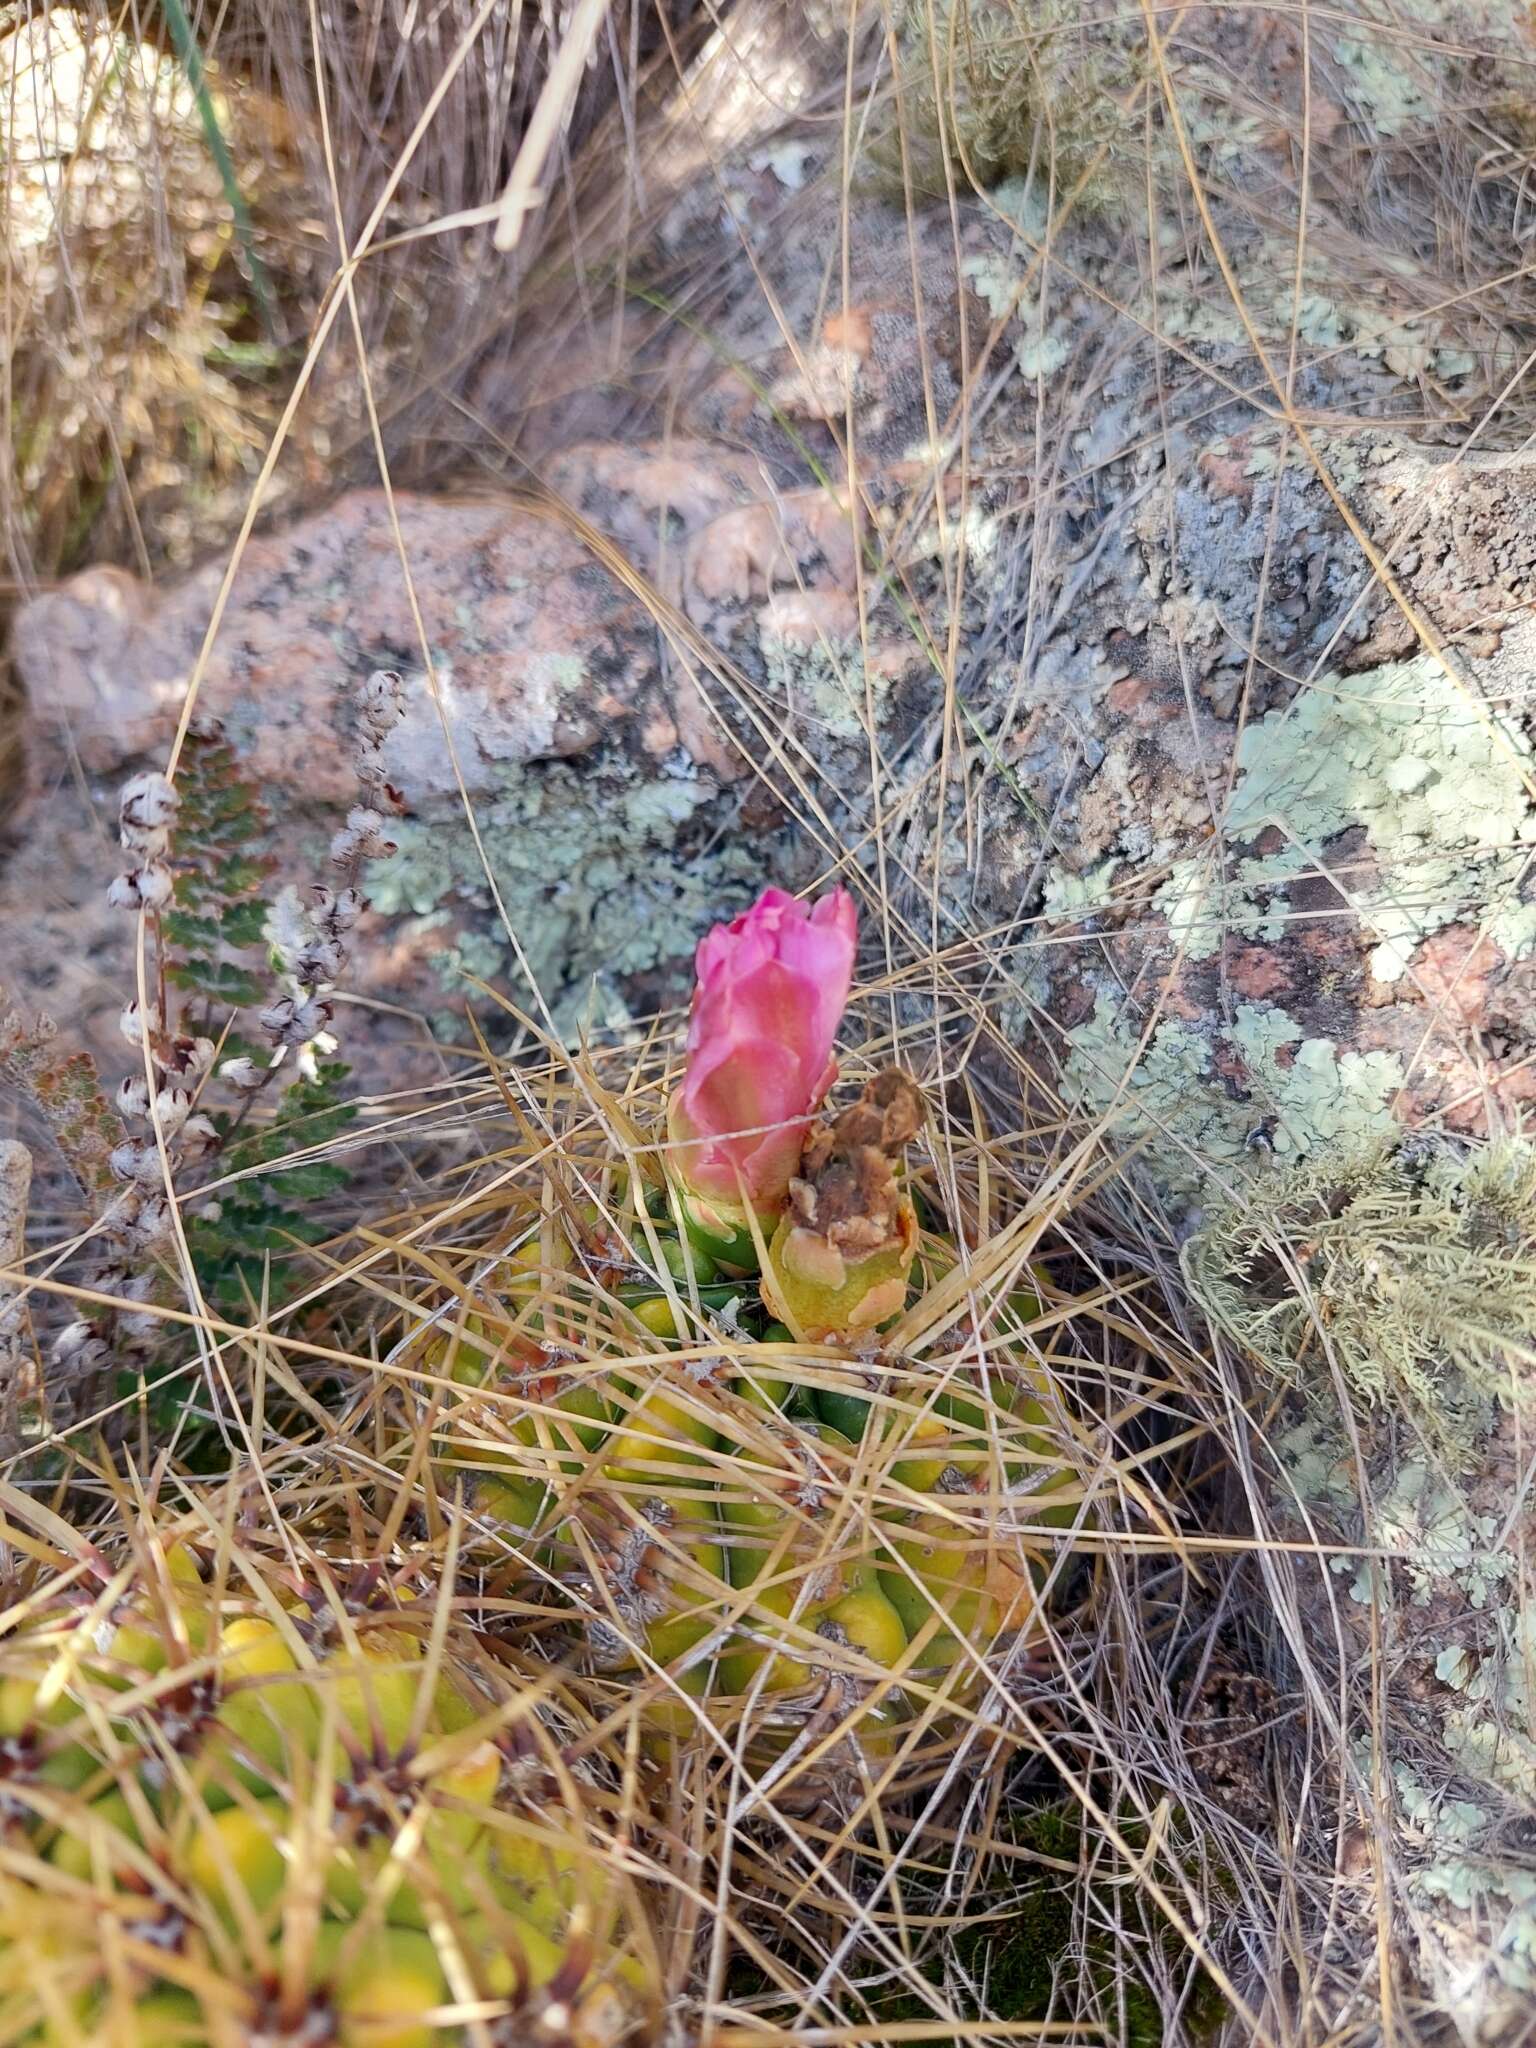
(20, 1381)
(522, 194)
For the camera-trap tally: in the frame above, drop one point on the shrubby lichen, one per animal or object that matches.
(998, 90)
(1406, 1266)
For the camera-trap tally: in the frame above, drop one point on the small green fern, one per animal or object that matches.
(217, 953)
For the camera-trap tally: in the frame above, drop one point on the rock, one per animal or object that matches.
(1329, 926)
(564, 701)
(537, 651)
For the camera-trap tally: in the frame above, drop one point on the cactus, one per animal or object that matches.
(266, 1799)
(775, 1469)
(780, 1529)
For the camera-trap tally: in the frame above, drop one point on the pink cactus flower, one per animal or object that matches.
(771, 990)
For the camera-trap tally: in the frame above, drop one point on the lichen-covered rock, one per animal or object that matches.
(537, 650)
(1307, 970)
(559, 707)
(1384, 1296)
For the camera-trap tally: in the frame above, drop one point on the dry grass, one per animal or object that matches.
(133, 431)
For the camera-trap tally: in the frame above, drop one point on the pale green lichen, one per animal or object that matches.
(1407, 1269)
(1345, 458)
(1040, 346)
(1385, 77)
(1437, 780)
(1393, 1292)
(1453, 1820)
(826, 685)
(1193, 308)
(1424, 1522)
(1069, 897)
(1455, 1839)
(1491, 1730)
(1316, 1459)
(1311, 1092)
(590, 874)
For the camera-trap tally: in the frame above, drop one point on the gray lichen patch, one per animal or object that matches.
(1437, 780)
(1323, 312)
(825, 687)
(1304, 1092)
(588, 869)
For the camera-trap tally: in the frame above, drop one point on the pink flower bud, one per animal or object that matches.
(771, 991)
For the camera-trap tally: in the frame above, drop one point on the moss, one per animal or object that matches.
(1314, 1094)
(1436, 780)
(597, 871)
(1035, 1963)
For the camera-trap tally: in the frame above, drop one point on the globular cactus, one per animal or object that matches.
(267, 1799)
(738, 1460)
(777, 1529)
